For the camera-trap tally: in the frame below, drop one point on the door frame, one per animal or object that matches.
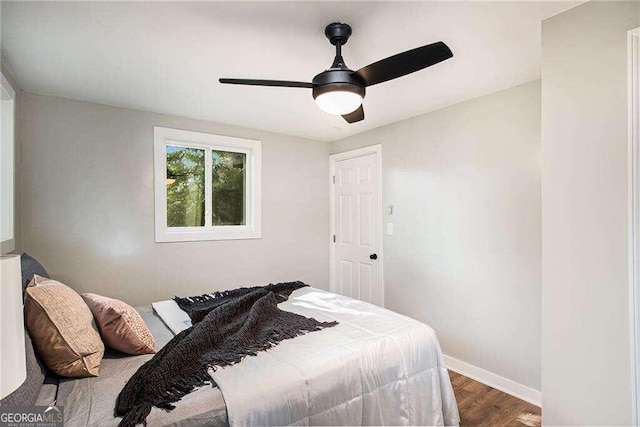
(634, 216)
(333, 159)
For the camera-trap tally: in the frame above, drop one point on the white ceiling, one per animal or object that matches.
(167, 57)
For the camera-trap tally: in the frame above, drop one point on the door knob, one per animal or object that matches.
(373, 256)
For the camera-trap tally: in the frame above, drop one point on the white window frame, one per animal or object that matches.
(7, 169)
(164, 137)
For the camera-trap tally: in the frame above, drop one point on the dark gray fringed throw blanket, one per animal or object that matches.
(227, 326)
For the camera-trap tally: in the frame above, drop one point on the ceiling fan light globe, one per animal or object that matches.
(339, 102)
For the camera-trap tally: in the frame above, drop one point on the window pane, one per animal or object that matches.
(185, 187)
(229, 183)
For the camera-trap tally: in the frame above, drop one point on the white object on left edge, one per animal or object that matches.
(13, 364)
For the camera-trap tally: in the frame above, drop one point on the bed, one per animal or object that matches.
(375, 368)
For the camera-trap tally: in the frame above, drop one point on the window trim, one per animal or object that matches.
(164, 137)
(9, 149)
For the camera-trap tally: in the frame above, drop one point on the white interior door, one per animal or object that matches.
(356, 217)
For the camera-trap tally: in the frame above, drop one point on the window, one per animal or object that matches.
(7, 109)
(207, 187)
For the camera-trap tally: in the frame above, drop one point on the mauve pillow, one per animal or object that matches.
(121, 327)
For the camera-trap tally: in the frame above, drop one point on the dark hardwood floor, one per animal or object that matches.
(481, 405)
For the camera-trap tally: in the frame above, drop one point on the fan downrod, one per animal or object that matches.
(338, 33)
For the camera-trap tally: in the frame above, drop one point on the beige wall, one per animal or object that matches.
(465, 257)
(88, 206)
(585, 339)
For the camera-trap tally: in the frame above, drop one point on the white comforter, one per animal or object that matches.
(375, 368)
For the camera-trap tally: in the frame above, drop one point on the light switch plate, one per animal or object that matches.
(389, 229)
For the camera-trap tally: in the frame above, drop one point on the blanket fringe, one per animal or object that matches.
(136, 415)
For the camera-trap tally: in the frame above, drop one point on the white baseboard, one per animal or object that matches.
(513, 388)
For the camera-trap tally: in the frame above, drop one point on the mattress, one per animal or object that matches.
(90, 401)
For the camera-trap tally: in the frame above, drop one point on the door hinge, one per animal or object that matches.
(334, 238)
(334, 179)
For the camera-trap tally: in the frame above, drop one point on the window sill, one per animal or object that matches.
(167, 236)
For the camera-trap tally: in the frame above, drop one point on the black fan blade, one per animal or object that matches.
(356, 116)
(278, 83)
(404, 63)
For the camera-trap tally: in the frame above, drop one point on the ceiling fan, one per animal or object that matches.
(340, 90)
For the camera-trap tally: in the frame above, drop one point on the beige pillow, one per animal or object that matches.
(120, 325)
(62, 329)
